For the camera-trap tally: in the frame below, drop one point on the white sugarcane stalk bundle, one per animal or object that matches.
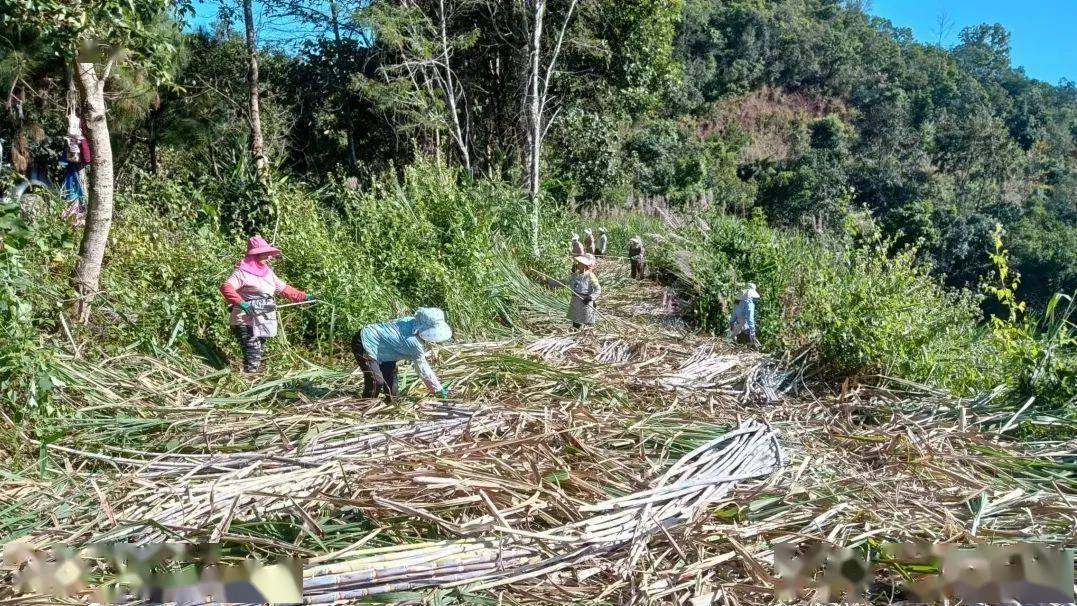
(381, 438)
(698, 369)
(703, 476)
(222, 486)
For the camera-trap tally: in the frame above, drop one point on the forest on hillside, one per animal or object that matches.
(398, 143)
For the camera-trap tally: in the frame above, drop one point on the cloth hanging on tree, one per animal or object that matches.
(71, 150)
(73, 188)
(85, 150)
(74, 124)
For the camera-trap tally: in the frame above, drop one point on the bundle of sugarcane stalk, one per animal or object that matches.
(693, 368)
(702, 477)
(213, 489)
(360, 441)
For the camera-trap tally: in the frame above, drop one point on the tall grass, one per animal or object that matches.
(428, 236)
(861, 309)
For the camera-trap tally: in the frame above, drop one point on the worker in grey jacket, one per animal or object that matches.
(636, 256)
(585, 290)
(575, 246)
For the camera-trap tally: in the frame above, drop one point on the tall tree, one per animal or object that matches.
(536, 97)
(338, 14)
(257, 143)
(94, 37)
(420, 40)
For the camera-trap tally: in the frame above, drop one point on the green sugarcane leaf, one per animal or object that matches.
(557, 476)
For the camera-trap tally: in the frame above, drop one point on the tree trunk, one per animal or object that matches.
(353, 161)
(151, 144)
(534, 126)
(255, 113)
(99, 210)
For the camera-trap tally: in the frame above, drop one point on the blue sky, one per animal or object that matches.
(1043, 33)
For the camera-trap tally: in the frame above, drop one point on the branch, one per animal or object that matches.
(549, 122)
(553, 57)
(108, 70)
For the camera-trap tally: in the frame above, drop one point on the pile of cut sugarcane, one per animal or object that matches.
(626, 523)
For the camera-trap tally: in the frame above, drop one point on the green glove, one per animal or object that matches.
(443, 393)
(310, 297)
(245, 306)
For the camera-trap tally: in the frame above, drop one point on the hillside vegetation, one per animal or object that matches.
(884, 193)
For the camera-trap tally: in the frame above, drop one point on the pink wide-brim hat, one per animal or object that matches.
(258, 246)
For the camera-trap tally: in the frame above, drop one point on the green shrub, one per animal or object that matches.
(868, 312)
(1041, 354)
(25, 297)
(862, 311)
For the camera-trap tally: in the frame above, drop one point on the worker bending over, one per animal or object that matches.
(250, 291)
(742, 323)
(378, 347)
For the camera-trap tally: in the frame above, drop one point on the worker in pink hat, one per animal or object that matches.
(250, 291)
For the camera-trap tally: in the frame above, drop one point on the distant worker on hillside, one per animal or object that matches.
(378, 347)
(585, 290)
(250, 291)
(637, 257)
(588, 242)
(576, 246)
(742, 323)
(603, 241)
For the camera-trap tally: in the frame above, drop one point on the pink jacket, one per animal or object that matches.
(243, 284)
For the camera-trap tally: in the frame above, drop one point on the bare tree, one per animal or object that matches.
(257, 143)
(419, 79)
(536, 100)
(944, 26)
(91, 87)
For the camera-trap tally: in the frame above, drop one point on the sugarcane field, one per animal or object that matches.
(533, 302)
(640, 463)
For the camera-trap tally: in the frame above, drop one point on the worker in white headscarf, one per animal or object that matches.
(585, 290)
(576, 246)
(742, 323)
(603, 241)
(588, 242)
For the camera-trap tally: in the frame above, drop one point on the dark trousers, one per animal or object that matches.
(637, 269)
(253, 347)
(748, 338)
(371, 387)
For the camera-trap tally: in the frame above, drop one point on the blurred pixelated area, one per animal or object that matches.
(1023, 573)
(814, 572)
(159, 573)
